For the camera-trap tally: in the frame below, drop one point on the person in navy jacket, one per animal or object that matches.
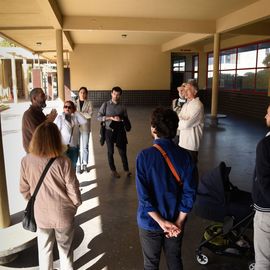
(261, 199)
(163, 202)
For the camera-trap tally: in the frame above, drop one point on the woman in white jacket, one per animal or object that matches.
(84, 106)
(68, 123)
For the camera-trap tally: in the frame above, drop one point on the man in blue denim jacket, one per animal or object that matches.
(163, 202)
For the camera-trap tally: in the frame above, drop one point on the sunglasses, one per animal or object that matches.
(67, 107)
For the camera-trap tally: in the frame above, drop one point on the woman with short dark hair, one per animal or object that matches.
(57, 199)
(68, 123)
(166, 192)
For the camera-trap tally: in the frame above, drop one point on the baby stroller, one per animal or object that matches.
(231, 209)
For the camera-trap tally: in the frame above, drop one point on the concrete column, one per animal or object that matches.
(1, 74)
(25, 78)
(1, 81)
(36, 77)
(4, 207)
(60, 64)
(214, 105)
(202, 69)
(14, 79)
(269, 83)
(50, 89)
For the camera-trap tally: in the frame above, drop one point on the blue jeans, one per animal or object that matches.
(152, 244)
(73, 153)
(84, 147)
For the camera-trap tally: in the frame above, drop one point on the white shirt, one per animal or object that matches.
(191, 122)
(70, 131)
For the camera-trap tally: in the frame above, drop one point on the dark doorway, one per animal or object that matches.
(176, 80)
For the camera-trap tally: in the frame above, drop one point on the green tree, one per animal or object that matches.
(5, 43)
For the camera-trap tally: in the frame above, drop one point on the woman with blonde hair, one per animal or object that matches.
(57, 199)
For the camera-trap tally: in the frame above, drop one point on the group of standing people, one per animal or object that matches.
(62, 137)
(55, 136)
(190, 111)
(59, 196)
(164, 201)
(75, 126)
(166, 174)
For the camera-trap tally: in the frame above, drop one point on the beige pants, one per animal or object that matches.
(46, 239)
(262, 240)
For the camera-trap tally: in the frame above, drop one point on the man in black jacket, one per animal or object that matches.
(261, 199)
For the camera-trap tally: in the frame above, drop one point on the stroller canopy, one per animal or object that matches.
(217, 197)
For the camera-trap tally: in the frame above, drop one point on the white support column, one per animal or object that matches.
(60, 64)
(4, 207)
(25, 78)
(269, 83)
(1, 81)
(214, 104)
(14, 79)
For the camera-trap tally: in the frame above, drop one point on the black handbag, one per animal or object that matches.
(102, 130)
(29, 222)
(102, 133)
(127, 124)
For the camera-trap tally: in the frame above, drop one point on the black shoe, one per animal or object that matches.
(115, 174)
(128, 173)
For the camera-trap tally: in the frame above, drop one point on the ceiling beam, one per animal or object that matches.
(69, 40)
(183, 41)
(26, 28)
(49, 51)
(255, 12)
(71, 23)
(257, 29)
(51, 10)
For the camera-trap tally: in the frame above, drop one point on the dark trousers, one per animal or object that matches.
(194, 157)
(122, 151)
(152, 244)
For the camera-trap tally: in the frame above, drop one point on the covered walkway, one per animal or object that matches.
(106, 234)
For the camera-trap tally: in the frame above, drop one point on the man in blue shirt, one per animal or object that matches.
(163, 202)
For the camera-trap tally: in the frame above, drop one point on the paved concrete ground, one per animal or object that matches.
(106, 232)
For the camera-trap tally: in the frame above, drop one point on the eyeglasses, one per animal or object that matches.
(67, 107)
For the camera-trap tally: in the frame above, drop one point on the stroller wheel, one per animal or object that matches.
(251, 265)
(202, 259)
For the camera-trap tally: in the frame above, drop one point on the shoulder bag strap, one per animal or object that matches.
(105, 105)
(71, 135)
(43, 176)
(168, 161)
